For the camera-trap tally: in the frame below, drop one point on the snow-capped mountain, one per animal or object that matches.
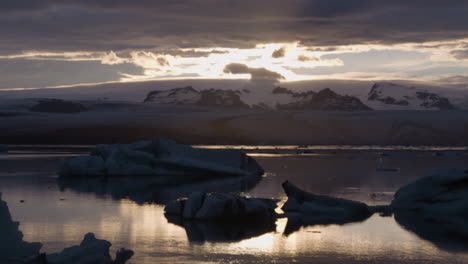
(279, 98)
(326, 100)
(380, 96)
(386, 94)
(188, 95)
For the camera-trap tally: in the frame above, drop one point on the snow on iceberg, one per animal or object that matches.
(159, 157)
(304, 209)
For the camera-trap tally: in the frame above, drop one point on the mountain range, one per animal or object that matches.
(382, 95)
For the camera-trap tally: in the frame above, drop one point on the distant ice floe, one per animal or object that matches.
(57, 106)
(161, 157)
(14, 250)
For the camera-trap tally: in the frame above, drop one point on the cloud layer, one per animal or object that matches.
(142, 24)
(257, 74)
(142, 39)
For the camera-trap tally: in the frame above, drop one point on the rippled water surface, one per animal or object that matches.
(58, 214)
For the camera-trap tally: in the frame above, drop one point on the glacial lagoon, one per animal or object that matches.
(58, 213)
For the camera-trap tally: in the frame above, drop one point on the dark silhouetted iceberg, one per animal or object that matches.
(305, 209)
(160, 157)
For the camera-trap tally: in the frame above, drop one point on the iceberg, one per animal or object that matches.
(444, 192)
(12, 246)
(435, 208)
(14, 250)
(306, 209)
(90, 251)
(221, 206)
(161, 157)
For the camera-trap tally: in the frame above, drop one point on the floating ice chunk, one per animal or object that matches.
(161, 157)
(444, 192)
(222, 217)
(303, 208)
(90, 251)
(193, 204)
(123, 162)
(14, 250)
(12, 245)
(435, 207)
(83, 166)
(202, 206)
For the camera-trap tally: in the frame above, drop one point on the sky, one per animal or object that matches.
(47, 43)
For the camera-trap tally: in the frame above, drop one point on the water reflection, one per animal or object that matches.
(298, 221)
(58, 223)
(449, 233)
(156, 189)
(223, 231)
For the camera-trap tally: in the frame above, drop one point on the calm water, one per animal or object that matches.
(58, 214)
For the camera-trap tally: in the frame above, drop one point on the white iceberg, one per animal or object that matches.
(159, 157)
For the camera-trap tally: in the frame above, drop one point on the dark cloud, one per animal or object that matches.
(460, 54)
(258, 74)
(23, 73)
(143, 24)
(307, 58)
(163, 62)
(455, 80)
(279, 53)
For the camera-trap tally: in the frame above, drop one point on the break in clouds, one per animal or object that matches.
(145, 39)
